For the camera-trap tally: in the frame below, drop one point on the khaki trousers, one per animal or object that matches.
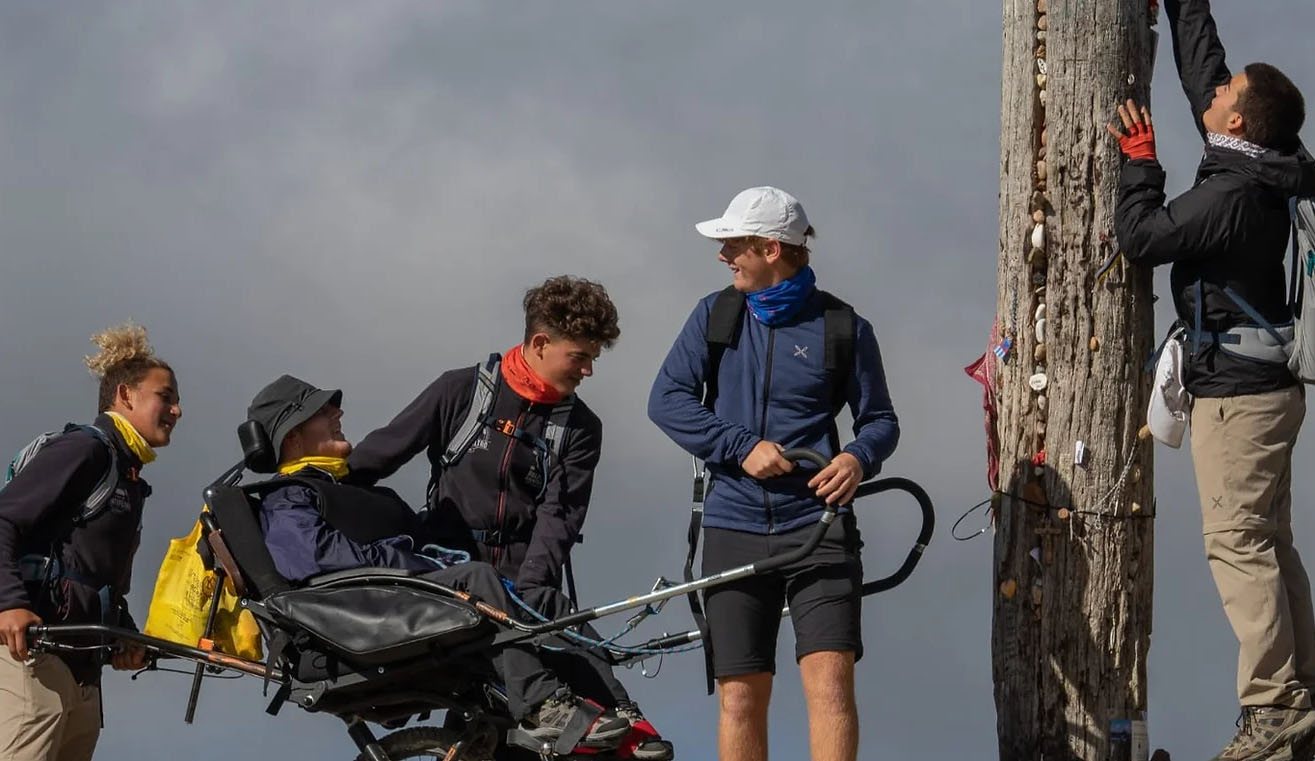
(44, 714)
(1242, 451)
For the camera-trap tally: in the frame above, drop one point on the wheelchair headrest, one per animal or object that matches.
(257, 451)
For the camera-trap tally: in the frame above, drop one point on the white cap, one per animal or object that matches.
(765, 212)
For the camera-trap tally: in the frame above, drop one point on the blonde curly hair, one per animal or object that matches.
(125, 357)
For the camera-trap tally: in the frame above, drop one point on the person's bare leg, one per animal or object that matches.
(828, 679)
(742, 727)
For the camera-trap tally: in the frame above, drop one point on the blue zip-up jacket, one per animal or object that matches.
(773, 385)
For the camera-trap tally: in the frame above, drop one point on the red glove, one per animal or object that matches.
(1139, 143)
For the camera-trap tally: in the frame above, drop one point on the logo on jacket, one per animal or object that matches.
(801, 351)
(119, 501)
(481, 441)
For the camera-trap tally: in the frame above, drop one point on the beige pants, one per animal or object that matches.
(44, 714)
(1242, 450)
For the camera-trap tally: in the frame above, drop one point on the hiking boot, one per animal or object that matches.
(549, 720)
(1269, 733)
(649, 745)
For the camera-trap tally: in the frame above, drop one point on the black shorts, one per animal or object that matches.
(824, 591)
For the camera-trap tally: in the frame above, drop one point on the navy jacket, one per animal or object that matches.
(303, 544)
(772, 385)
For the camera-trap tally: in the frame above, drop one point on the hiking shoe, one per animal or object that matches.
(549, 720)
(648, 744)
(1266, 733)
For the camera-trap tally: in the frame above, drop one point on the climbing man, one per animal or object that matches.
(1226, 239)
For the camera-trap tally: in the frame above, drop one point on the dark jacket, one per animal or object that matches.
(772, 385)
(37, 512)
(303, 544)
(496, 486)
(1230, 230)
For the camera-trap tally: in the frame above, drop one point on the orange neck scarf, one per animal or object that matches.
(524, 381)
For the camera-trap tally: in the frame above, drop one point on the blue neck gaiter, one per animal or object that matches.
(777, 304)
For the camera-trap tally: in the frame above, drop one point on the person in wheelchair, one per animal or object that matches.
(304, 426)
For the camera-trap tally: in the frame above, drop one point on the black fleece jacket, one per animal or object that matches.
(497, 483)
(37, 513)
(1231, 229)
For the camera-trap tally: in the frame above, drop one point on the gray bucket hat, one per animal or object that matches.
(287, 403)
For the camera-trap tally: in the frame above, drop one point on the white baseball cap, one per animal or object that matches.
(765, 212)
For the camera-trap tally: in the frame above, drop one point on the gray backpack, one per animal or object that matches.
(100, 495)
(1301, 294)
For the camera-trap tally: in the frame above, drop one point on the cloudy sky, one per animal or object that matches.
(359, 193)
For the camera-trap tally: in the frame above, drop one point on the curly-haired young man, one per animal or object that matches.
(512, 452)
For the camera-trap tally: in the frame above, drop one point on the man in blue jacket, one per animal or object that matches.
(773, 390)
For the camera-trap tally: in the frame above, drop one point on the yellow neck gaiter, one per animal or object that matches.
(133, 439)
(334, 466)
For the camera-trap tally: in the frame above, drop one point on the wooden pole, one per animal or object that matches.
(1073, 547)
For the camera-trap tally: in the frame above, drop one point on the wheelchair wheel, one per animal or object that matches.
(420, 742)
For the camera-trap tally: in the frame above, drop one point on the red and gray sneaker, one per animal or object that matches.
(643, 743)
(551, 718)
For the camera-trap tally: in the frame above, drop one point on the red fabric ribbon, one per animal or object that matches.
(524, 381)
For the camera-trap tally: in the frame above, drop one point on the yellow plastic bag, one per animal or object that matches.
(181, 602)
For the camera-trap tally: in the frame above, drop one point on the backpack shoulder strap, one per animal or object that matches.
(724, 322)
(1303, 261)
(840, 328)
(723, 331)
(554, 431)
(481, 403)
(100, 495)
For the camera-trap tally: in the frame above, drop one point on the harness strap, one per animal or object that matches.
(1175, 332)
(47, 569)
(497, 537)
(1196, 328)
(695, 606)
(277, 644)
(100, 496)
(1251, 312)
(723, 330)
(1248, 340)
(281, 696)
(554, 431)
(577, 727)
(838, 327)
(1294, 286)
(485, 391)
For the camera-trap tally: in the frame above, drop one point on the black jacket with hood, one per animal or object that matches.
(1231, 229)
(38, 512)
(497, 485)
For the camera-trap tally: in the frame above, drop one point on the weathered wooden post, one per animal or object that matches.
(1073, 547)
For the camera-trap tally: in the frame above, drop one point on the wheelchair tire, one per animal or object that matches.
(419, 742)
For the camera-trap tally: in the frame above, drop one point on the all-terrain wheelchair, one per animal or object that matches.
(385, 647)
